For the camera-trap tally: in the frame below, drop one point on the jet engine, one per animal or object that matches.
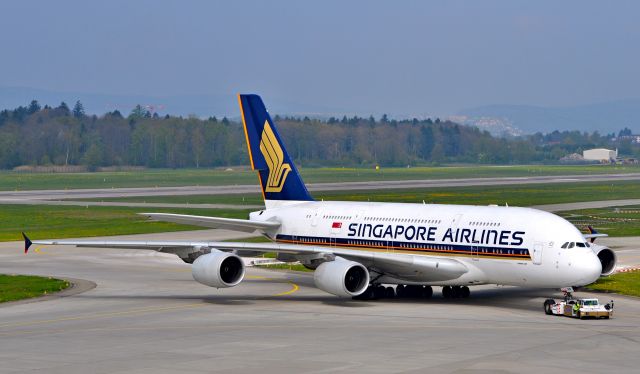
(341, 277)
(218, 269)
(607, 258)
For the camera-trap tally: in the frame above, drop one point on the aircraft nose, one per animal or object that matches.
(587, 268)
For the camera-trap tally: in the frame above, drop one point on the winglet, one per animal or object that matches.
(27, 243)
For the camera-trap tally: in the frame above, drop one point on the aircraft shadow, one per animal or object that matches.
(509, 298)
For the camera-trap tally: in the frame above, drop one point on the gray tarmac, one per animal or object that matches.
(17, 196)
(146, 315)
(586, 205)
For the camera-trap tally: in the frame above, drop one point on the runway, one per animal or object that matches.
(103, 193)
(146, 315)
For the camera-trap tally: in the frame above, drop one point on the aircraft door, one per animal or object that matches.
(316, 214)
(536, 255)
(456, 220)
(332, 240)
(475, 256)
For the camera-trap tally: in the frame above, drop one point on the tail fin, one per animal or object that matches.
(278, 175)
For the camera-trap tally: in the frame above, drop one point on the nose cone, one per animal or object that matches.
(586, 267)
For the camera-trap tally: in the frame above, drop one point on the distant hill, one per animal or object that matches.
(203, 105)
(605, 117)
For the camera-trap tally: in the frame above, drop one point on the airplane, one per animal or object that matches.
(356, 248)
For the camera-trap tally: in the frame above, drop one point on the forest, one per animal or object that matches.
(43, 135)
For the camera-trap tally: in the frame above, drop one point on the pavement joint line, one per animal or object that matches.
(606, 330)
(103, 315)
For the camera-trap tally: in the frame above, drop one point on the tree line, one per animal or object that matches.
(35, 135)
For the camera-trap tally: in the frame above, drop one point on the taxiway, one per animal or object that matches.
(146, 315)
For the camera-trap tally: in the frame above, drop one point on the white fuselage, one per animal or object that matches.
(499, 245)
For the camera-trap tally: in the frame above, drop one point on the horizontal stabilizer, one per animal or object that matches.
(233, 224)
(593, 234)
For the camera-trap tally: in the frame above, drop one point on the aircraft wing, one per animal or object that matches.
(234, 224)
(405, 266)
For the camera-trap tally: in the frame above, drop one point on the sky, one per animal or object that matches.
(403, 57)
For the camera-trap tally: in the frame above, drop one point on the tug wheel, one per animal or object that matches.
(547, 305)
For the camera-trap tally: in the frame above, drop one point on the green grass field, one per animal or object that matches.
(69, 221)
(18, 287)
(192, 177)
(41, 222)
(291, 267)
(615, 221)
(515, 195)
(622, 283)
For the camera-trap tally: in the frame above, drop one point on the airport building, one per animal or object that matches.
(600, 154)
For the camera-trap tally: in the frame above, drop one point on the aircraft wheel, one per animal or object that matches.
(427, 292)
(408, 291)
(455, 292)
(368, 294)
(447, 292)
(547, 305)
(400, 290)
(379, 292)
(416, 292)
(465, 292)
(390, 293)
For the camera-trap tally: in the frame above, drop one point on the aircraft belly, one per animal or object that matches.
(419, 268)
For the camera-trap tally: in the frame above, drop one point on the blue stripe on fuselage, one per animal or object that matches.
(419, 248)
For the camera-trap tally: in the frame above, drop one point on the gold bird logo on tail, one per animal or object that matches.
(273, 155)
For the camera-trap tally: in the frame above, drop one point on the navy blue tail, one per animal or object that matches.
(279, 177)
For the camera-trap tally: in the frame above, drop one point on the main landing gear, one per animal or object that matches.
(455, 292)
(375, 292)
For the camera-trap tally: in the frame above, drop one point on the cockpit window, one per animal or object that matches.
(576, 244)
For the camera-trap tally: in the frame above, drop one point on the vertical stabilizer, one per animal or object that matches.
(279, 177)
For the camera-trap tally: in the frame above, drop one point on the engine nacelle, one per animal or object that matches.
(607, 257)
(342, 278)
(218, 269)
